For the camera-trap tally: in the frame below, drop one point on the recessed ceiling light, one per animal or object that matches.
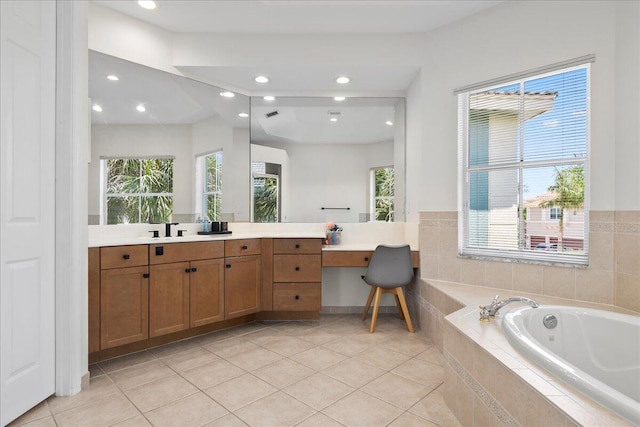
(339, 98)
(113, 77)
(262, 79)
(333, 119)
(269, 98)
(147, 4)
(389, 123)
(243, 115)
(97, 108)
(343, 80)
(141, 108)
(227, 94)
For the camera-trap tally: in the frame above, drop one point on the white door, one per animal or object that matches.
(27, 223)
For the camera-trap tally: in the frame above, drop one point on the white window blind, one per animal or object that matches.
(523, 149)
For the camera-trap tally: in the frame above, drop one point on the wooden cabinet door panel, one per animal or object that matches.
(206, 292)
(242, 286)
(297, 268)
(297, 246)
(94, 300)
(169, 298)
(124, 306)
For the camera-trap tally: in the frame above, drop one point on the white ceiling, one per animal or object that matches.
(301, 17)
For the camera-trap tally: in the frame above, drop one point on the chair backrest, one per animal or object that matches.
(390, 266)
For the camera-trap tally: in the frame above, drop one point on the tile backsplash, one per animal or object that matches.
(612, 277)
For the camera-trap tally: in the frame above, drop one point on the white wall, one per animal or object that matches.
(509, 38)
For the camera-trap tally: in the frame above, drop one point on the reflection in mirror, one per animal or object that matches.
(164, 147)
(320, 159)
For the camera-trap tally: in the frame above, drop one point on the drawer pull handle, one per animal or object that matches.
(297, 268)
(126, 256)
(228, 265)
(244, 247)
(187, 270)
(194, 269)
(145, 275)
(297, 296)
(366, 258)
(297, 246)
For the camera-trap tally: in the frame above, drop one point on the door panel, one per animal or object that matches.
(27, 205)
(242, 286)
(169, 298)
(207, 292)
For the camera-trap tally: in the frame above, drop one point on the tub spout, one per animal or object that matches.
(487, 311)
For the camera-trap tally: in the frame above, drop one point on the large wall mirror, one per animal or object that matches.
(327, 159)
(164, 147)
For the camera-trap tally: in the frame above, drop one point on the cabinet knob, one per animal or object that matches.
(145, 275)
(297, 268)
(228, 265)
(366, 258)
(297, 296)
(126, 256)
(194, 269)
(187, 270)
(244, 247)
(297, 246)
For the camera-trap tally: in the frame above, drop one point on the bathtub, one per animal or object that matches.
(595, 351)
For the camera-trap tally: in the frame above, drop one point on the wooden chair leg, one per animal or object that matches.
(366, 307)
(399, 307)
(376, 306)
(405, 309)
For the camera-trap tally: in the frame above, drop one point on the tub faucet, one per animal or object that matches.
(488, 311)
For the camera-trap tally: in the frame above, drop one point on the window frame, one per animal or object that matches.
(464, 168)
(201, 200)
(104, 176)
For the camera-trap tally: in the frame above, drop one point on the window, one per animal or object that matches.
(209, 185)
(382, 194)
(266, 192)
(137, 190)
(523, 159)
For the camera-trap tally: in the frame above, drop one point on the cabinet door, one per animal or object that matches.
(207, 292)
(242, 286)
(169, 298)
(94, 300)
(124, 306)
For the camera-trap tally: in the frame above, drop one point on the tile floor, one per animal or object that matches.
(330, 372)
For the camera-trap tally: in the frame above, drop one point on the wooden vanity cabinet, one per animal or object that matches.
(186, 286)
(124, 295)
(94, 300)
(242, 277)
(297, 274)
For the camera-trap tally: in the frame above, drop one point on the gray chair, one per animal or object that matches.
(390, 269)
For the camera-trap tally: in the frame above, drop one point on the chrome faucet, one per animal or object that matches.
(488, 311)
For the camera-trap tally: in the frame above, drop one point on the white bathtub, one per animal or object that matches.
(595, 351)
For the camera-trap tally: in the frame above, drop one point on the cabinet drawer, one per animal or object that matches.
(241, 247)
(346, 258)
(297, 246)
(188, 251)
(297, 268)
(123, 256)
(297, 296)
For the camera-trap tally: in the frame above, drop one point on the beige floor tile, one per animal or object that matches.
(320, 337)
(256, 358)
(409, 345)
(278, 409)
(127, 361)
(425, 373)
(104, 412)
(434, 409)
(248, 328)
(287, 345)
(361, 409)
(318, 391)
(282, 373)
(189, 359)
(432, 355)
(174, 348)
(138, 375)
(139, 421)
(240, 391)
(213, 337)
(47, 421)
(347, 346)
(231, 347)
(353, 372)
(318, 358)
(410, 420)
(95, 371)
(192, 411)
(38, 412)
(98, 389)
(397, 390)
(228, 420)
(319, 420)
(160, 392)
(211, 374)
(382, 358)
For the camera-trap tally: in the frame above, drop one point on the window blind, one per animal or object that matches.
(523, 153)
